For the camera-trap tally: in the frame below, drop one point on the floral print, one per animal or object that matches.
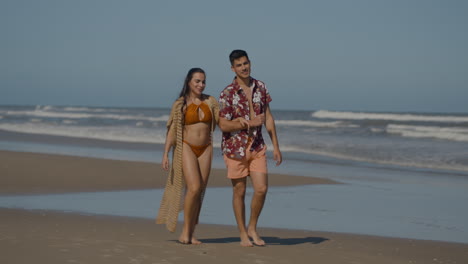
(233, 103)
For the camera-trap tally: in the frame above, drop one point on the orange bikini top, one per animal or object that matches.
(192, 114)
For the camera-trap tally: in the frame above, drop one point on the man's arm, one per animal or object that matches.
(271, 128)
(231, 125)
(240, 123)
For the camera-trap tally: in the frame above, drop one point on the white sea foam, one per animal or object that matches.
(69, 122)
(377, 130)
(44, 107)
(97, 110)
(435, 164)
(448, 133)
(41, 113)
(122, 134)
(393, 117)
(307, 123)
(78, 109)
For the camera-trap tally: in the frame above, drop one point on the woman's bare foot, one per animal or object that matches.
(257, 240)
(245, 241)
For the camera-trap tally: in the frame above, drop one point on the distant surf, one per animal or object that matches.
(420, 140)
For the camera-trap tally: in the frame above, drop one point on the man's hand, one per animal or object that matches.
(277, 157)
(258, 120)
(244, 123)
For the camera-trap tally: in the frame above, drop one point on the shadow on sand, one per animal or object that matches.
(270, 240)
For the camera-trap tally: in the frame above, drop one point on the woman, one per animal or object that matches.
(189, 130)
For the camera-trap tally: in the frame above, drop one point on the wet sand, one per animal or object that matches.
(39, 236)
(23, 172)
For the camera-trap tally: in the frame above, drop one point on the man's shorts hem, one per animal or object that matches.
(253, 162)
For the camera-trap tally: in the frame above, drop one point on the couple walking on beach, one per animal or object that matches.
(242, 110)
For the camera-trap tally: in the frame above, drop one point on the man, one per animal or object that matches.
(246, 100)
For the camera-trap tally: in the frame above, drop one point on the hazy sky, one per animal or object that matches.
(375, 55)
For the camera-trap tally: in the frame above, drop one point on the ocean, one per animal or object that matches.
(412, 140)
(404, 174)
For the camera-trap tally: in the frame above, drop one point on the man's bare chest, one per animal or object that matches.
(248, 94)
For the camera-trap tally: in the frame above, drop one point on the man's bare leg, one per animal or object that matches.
(260, 186)
(238, 204)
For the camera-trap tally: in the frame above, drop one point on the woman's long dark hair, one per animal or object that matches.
(186, 89)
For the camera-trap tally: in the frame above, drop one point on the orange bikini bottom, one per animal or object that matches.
(197, 150)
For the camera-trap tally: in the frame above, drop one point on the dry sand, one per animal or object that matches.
(54, 237)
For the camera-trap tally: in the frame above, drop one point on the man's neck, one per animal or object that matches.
(243, 82)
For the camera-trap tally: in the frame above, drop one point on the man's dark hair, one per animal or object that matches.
(237, 54)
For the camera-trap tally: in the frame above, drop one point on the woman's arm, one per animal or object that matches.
(170, 135)
(170, 141)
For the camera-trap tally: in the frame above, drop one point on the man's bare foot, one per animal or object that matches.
(185, 242)
(245, 241)
(196, 241)
(257, 240)
(184, 239)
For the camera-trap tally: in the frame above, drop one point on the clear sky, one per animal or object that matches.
(374, 55)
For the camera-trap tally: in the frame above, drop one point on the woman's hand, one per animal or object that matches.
(165, 162)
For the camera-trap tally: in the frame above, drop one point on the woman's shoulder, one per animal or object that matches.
(206, 97)
(209, 99)
(179, 100)
(178, 103)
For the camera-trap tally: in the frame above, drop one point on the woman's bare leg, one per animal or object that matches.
(193, 181)
(204, 162)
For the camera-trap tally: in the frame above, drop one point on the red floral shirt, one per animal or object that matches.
(233, 103)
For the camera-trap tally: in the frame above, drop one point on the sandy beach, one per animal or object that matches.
(39, 236)
(23, 172)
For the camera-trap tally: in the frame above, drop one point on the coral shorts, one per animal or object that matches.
(254, 161)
